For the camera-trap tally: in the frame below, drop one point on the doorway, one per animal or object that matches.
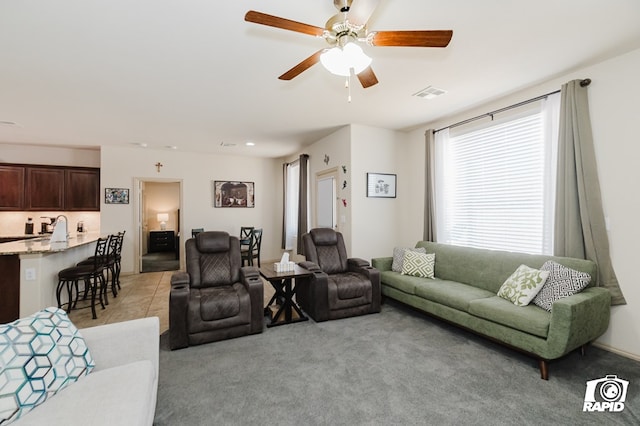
(159, 223)
(326, 199)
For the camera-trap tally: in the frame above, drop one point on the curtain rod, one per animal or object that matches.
(583, 83)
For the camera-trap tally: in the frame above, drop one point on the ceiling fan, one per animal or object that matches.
(343, 32)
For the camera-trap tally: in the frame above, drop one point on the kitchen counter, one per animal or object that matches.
(29, 271)
(43, 244)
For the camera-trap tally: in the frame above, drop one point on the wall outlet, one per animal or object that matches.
(30, 274)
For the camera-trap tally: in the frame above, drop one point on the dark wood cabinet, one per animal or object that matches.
(45, 188)
(9, 288)
(81, 189)
(49, 188)
(162, 241)
(12, 180)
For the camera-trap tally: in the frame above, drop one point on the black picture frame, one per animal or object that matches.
(116, 195)
(381, 185)
(233, 194)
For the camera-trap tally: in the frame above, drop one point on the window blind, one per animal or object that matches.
(494, 182)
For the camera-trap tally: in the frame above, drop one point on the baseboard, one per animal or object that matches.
(620, 352)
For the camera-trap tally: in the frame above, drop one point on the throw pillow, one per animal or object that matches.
(398, 256)
(39, 355)
(562, 282)
(418, 264)
(523, 285)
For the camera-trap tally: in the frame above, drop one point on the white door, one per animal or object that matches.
(326, 196)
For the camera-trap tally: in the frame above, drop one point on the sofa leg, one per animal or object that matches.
(544, 369)
(583, 349)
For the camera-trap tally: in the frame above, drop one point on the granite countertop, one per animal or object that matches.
(44, 245)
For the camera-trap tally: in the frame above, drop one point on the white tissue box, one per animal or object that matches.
(284, 266)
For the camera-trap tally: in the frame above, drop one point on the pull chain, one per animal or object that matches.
(347, 85)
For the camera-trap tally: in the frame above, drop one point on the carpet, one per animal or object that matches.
(397, 367)
(161, 261)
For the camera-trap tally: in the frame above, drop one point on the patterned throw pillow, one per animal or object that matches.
(562, 282)
(398, 256)
(39, 355)
(523, 285)
(418, 264)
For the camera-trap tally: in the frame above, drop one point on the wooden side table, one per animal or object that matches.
(285, 284)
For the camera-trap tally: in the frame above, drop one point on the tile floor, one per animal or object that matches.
(142, 295)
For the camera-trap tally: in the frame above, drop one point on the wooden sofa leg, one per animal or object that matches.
(544, 369)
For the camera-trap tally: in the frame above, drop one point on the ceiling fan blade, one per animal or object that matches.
(285, 24)
(302, 66)
(360, 11)
(367, 78)
(437, 38)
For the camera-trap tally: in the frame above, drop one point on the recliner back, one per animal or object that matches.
(325, 247)
(213, 259)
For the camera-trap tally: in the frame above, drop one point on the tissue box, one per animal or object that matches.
(284, 266)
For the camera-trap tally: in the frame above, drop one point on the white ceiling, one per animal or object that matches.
(194, 74)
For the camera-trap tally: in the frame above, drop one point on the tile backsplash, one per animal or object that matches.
(12, 223)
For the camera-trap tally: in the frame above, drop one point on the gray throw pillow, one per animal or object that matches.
(398, 256)
(562, 282)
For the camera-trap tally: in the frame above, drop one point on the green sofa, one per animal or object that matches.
(464, 293)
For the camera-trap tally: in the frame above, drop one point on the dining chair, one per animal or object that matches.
(245, 235)
(196, 231)
(252, 251)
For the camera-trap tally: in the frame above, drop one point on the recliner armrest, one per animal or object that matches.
(309, 266)
(180, 278)
(357, 262)
(250, 278)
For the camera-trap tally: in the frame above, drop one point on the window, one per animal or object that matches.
(292, 181)
(495, 184)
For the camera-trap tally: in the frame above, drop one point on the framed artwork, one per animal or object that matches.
(116, 196)
(233, 194)
(381, 185)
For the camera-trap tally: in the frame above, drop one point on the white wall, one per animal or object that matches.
(375, 221)
(120, 166)
(614, 107)
(48, 155)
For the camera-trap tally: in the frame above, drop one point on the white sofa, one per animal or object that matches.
(122, 388)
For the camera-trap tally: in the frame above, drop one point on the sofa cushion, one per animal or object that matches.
(562, 282)
(39, 356)
(450, 293)
(530, 319)
(398, 256)
(119, 395)
(418, 264)
(404, 283)
(523, 285)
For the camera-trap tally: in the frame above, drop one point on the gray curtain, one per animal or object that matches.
(579, 224)
(429, 233)
(303, 202)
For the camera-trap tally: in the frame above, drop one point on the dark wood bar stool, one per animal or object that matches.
(91, 274)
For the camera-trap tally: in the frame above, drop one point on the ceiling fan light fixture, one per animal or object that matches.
(340, 60)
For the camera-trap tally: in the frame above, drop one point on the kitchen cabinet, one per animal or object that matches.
(82, 189)
(12, 188)
(45, 188)
(49, 188)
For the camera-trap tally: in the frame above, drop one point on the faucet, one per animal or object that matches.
(60, 235)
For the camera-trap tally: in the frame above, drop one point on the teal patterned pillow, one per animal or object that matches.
(523, 285)
(39, 355)
(418, 264)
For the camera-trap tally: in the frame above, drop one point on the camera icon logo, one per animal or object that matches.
(605, 394)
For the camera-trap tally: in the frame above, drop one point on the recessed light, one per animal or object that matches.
(140, 144)
(172, 147)
(250, 144)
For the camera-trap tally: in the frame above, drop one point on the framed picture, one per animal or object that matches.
(233, 194)
(381, 185)
(116, 196)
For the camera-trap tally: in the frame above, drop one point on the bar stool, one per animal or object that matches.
(91, 274)
(110, 261)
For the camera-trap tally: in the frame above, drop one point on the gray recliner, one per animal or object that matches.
(340, 286)
(216, 298)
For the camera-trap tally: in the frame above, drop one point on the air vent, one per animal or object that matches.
(226, 144)
(430, 92)
(8, 123)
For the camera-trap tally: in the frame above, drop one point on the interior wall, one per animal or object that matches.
(614, 109)
(49, 155)
(120, 166)
(374, 221)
